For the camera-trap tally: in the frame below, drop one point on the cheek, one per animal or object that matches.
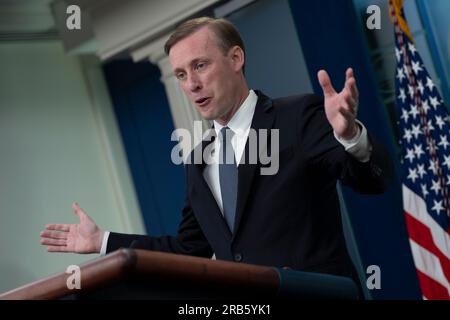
(208, 79)
(183, 86)
(220, 83)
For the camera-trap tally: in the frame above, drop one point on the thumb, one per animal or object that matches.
(325, 83)
(78, 211)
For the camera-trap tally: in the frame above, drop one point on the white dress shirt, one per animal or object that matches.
(359, 147)
(240, 125)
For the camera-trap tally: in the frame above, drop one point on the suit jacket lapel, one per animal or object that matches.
(205, 196)
(262, 119)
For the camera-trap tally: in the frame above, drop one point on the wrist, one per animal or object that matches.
(99, 240)
(351, 133)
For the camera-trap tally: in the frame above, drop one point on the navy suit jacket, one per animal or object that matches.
(290, 219)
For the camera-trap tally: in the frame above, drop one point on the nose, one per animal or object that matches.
(193, 84)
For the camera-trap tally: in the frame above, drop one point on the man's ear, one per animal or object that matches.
(237, 57)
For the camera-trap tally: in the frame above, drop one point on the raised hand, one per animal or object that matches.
(341, 108)
(84, 237)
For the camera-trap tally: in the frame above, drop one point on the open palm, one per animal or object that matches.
(84, 237)
(341, 107)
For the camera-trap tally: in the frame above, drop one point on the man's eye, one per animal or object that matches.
(200, 66)
(181, 76)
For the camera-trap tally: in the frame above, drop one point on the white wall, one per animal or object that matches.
(58, 143)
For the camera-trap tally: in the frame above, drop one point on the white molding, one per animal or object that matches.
(120, 25)
(153, 51)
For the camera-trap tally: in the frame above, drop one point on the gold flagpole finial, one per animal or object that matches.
(398, 5)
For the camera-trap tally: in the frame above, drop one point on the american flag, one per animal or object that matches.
(423, 126)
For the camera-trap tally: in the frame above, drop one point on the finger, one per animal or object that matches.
(78, 211)
(58, 227)
(350, 84)
(53, 235)
(348, 101)
(53, 242)
(347, 113)
(352, 104)
(349, 73)
(76, 208)
(325, 83)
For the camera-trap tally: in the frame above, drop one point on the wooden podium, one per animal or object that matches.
(141, 274)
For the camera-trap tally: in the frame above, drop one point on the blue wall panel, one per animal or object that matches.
(146, 126)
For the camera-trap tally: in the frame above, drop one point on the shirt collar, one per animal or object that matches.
(242, 119)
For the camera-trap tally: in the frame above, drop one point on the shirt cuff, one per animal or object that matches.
(359, 147)
(104, 243)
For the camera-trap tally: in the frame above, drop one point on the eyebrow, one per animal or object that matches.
(193, 62)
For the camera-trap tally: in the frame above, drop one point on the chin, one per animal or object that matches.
(207, 115)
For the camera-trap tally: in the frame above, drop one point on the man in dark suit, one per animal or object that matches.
(287, 219)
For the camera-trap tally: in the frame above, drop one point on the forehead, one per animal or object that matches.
(202, 43)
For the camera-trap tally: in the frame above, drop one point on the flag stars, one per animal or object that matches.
(402, 95)
(434, 102)
(439, 122)
(410, 155)
(430, 84)
(425, 106)
(411, 91)
(407, 135)
(412, 175)
(418, 150)
(397, 54)
(444, 142)
(421, 170)
(432, 167)
(416, 131)
(424, 190)
(416, 67)
(420, 86)
(435, 187)
(437, 206)
(405, 115)
(414, 111)
(400, 74)
(430, 125)
(424, 122)
(447, 161)
(412, 49)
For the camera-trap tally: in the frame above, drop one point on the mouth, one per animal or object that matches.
(203, 102)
